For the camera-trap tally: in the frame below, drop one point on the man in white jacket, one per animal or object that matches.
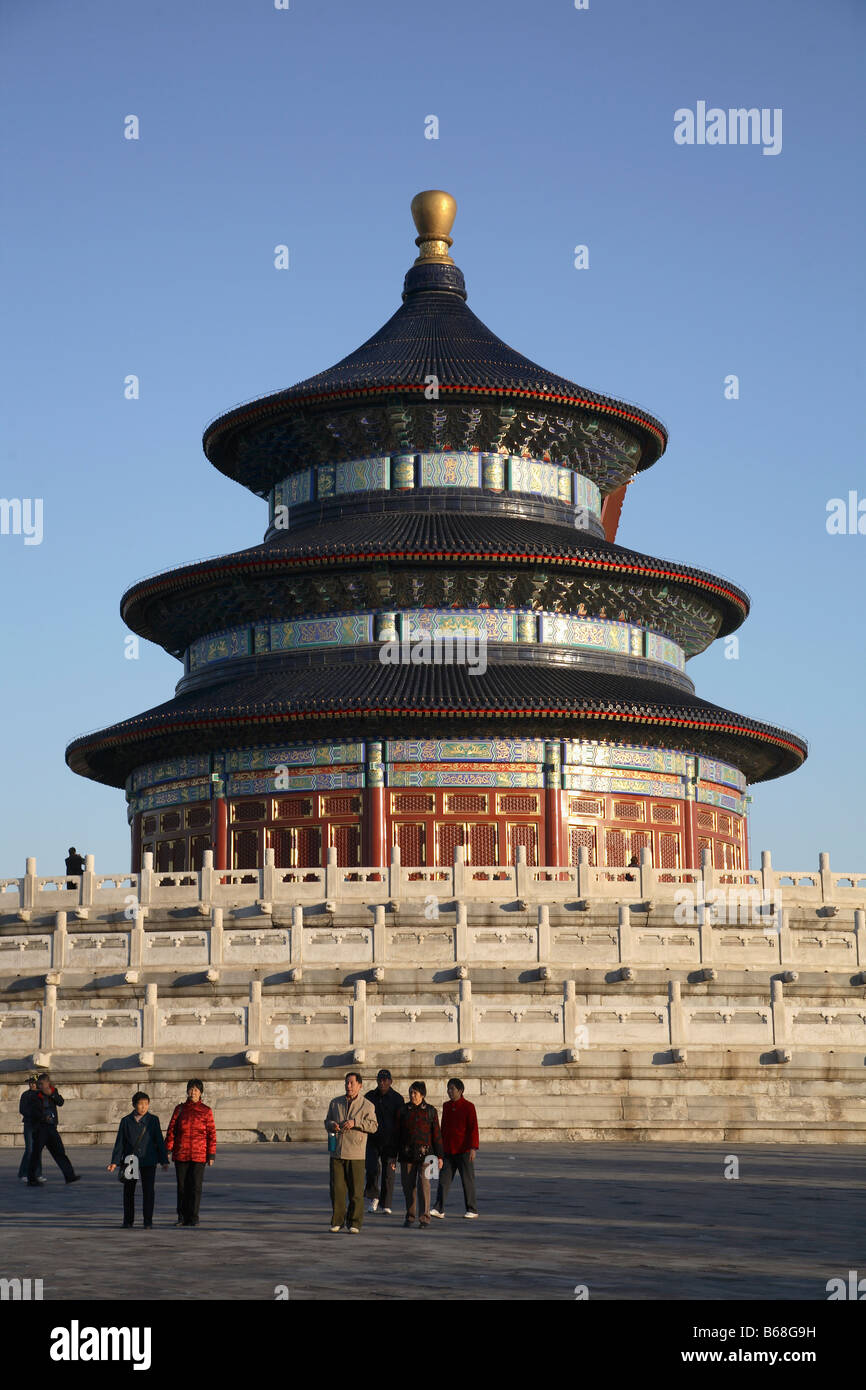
(350, 1119)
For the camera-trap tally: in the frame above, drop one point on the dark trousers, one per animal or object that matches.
(24, 1165)
(189, 1177)
(148, 1194)
(347, 1187)
(379, 1183)
(415, 1181)
(46, 1137)
(463, 1164)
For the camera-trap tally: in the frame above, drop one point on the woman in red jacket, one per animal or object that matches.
(191, 1142)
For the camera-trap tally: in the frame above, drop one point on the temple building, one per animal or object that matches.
(438, 642)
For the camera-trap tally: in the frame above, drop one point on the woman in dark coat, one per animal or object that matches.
(139, 1146)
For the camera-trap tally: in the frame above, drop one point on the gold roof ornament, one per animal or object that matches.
(433, 213)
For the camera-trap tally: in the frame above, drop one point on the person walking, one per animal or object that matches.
(381, 1146)
(349, 1120)
(191, 1142)
(418, 1138)
(138, 1148)
(23, 1111)
(40, 1108)
(460, 1142)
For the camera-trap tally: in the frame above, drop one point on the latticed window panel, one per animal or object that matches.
(411, 837)
(292, 807)
(704, 842)
(347, 841)
(638, 840)
(448, 838)
(579, 806)
(628, 810)
(665, 815)
(248, 811)
(526, 834)
(245, 849)
(615, 848)
(342, 805)
(197, 816)
(726, 856)
(582, 836)
(518, 805)
(483, 843)
(723, 824)
(706, 820)
(170, 821)
(149, 825)
(669, 851)
(412, 803)
(197, 846)
(163, 857)
(465, 803)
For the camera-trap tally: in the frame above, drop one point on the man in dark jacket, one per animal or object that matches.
(139, 1146)
(23, 1111)
(74, 863)
(40, 1108)
(382, 1146)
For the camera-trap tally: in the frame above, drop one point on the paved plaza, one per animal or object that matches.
(627, 1221)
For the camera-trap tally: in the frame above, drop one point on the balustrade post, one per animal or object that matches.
(59, 942)
(378, 929)
(297, 937)
(785, 941)
(359, 1016)
(708, 873)
(461, 936)
(569, 1015)
(136, 942)
(254, 1015)
(206, 880)
(332, 877)
(464, 1014)
(859, 929)
(217, 941)
(395, 877)
(780, 1013)
(458, 872)
(543, 934)
(48, 1030)
(624, 934)
(149, 1020)
(828, 892)
(676, 1017)
(269, 876)
(521, 875)
(583, 867)
(647, 875)
(705, 932)
(145, 879)
(768, 877)
(27, 886)
(88, 882)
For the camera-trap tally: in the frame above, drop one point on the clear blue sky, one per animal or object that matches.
(306, 127)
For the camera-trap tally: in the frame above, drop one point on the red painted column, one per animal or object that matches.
(221, 843)
(553, 837)
(375, 837)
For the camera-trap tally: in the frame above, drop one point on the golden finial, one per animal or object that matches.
(433, 213)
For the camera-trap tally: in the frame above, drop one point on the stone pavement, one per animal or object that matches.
(629, 1221)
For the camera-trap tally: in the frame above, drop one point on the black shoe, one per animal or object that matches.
(33, 1184)
(180, 1222)
(148, 1225)
(407, 1222)
(76, 1177)
(127, 1225)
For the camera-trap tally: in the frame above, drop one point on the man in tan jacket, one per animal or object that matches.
(350, 1119)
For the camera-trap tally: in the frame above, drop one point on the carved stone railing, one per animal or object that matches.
(93, 895)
